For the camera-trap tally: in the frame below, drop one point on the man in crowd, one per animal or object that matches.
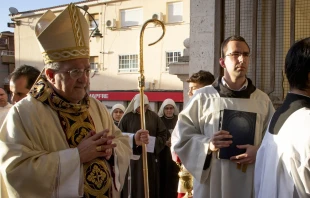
(197, 80)
(202, 139)
(4, 105)
(282, 163)
(21, 81)
(58, 141)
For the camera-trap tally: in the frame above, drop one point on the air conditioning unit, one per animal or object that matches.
(111, 23)
(158, 16)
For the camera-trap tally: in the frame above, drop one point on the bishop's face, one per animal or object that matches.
(71, 81)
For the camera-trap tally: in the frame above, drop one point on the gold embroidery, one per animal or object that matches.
(76, 123)
(65, 54)
(76, 26)
(74, 37)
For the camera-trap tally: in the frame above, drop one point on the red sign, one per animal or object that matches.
(177, 96)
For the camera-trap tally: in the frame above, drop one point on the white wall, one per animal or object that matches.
(118, 41)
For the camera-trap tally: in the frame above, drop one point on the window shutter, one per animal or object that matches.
(131, 17)
(175, 12)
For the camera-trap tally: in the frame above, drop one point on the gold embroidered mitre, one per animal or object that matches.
(63, 37)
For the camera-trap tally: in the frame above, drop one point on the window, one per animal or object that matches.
(128, 63)
(175, 12)
(94, 62)
(92, 23)
(3, 42)
(172, 57)
(131, 17)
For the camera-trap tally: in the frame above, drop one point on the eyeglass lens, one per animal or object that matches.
(238, 54)
(77, 73)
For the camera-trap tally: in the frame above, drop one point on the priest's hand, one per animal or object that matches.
(220, 140)
(95, 145)
(142, 136)
(246, 158)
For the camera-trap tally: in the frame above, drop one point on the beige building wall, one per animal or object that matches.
(117, 41)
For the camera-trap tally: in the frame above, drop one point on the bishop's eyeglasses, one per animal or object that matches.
(78, 73)
(238, 54)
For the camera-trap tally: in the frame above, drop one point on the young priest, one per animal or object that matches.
(202, 140)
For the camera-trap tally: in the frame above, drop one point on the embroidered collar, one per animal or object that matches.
(43, 92)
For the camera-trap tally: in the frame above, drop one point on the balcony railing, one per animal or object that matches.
(7, 53)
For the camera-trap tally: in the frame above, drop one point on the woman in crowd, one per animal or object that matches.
(117, 113)
(129, 123)
(168, 113)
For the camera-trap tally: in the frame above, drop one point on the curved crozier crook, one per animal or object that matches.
(141, 87)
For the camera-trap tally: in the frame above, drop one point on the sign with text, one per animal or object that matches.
(177, 96)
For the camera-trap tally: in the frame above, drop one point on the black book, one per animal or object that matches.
(241, 125)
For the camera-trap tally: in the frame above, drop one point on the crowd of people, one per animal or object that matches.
(57, 141)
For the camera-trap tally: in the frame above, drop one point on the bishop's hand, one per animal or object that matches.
(95, 145)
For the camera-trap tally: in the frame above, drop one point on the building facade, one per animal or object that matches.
(270, 27)
(7, 60)
(115, 57)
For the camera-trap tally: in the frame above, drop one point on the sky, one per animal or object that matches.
(25, 5)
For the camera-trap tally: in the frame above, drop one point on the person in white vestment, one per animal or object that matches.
(282, 163)
(58, 141)
(196, 81)
(21, 81)
(4, 105)
(201, 138)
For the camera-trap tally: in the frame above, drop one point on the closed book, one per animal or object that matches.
(241, 125)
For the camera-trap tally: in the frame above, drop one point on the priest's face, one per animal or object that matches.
(236, 60)
(169, 111)
(71, 81)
